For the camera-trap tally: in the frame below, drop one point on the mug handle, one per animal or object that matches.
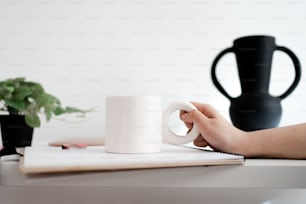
(213, 72)
(169, 134)
(297, 67)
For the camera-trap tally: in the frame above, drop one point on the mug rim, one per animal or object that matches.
(132, 97)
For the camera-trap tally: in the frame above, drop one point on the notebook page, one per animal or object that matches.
(95, 158)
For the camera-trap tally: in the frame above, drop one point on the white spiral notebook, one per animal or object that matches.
(94, 158)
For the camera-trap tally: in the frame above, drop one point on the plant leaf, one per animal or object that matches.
(9, 88)
(6, 91)
(18, 105)
(48, 115)
(59, 111)
(36, 88)
(21, 93)
(47, 101)
(32, 120)
(73, 110)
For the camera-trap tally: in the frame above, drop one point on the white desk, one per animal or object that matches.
(257, 181)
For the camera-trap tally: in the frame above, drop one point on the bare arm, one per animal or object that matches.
(283, 142)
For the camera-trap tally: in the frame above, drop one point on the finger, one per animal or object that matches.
(200, 142)
(194, 116)
(198, 118)
(183, 111)
(206, 109)
(189, 125)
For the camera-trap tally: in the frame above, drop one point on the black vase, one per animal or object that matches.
(255, 108)
(15, 132)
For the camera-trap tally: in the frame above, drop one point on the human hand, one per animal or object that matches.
(215, 130)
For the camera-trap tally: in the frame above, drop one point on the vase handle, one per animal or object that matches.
(297, 67)
(213, 72)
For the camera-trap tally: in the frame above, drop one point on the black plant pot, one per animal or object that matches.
(15, 132)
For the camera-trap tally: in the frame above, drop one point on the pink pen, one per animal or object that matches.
(78, 146)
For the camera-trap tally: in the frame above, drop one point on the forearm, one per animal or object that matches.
(283, 142)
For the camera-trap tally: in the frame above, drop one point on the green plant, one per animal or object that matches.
(21, 97)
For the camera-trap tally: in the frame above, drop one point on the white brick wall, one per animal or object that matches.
(84, 50)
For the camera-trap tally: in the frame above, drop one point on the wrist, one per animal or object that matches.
(251, 146)
(245, 146)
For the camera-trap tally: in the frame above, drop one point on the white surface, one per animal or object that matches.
(257, 181)
(54, 159)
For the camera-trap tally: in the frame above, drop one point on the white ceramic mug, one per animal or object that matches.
(137, 124)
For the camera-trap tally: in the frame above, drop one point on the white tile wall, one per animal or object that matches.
(84, 50)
